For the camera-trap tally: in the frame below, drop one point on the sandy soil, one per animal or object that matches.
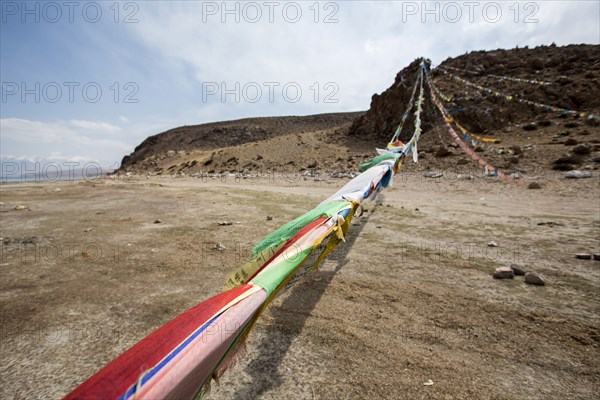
(86, 272)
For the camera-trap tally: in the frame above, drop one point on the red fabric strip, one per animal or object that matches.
(124, 371)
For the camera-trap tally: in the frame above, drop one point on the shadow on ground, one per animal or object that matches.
(288, 319)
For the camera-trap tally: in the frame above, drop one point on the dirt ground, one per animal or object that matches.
(409, 299)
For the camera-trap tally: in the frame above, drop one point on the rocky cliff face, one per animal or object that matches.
(572, 71)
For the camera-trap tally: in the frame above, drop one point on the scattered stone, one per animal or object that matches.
(545, 123)
(157, 221)
(534, 185)
(551, 223)
(584, 132)
(564, 133)
(433, 174)
(504, 273)
(87, 230)
(442, 151)
(20, 207)
(592, 122)
(569, 159)
(571, 142)
(596, 256)
(220, 247)
(225, 223)
(428, 383)
(416, 209)
(534, 279)
(516, 175)
(379, 227)
(462, 161)
(582, 149)
(530, 127)
(465, 177)
(576, 174)
(572, 125)
(492, 244)
(513, 160)
(583, 256)
(269, 218)
(518, 269)
(516, 150)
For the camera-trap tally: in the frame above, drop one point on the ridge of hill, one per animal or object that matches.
(530, 138)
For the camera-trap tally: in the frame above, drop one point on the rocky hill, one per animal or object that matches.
(217, 135)
(531, 138)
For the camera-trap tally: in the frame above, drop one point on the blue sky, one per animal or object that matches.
(163, 64)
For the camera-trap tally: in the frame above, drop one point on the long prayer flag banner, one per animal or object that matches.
(499, 77)
(510, 97)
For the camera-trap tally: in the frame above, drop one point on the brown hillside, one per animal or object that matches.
(531, 139)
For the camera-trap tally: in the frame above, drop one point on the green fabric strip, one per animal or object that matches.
(386, 156)
(271, 278)
(288, 230)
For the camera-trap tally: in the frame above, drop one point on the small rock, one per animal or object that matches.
(154, 250)
(428, 383)
(220, 247)
(492, 244)
(534, 279)
(516, 150)
(534, 185)
(442, 151)
(465, 177)
(433, 174)
(576, 174)
(571, 142)
(87, 230)
(572, 125)
(504, 273)
(582, 149)
(269, 217)
(596, 256)
(551, 223)
(583, 256)
(530, 127)
(157, 221)
(564, 133)
(518, 269)
(20, 207)
(225, 223)
(379, 226)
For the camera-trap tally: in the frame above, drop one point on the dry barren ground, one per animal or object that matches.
(86, 272)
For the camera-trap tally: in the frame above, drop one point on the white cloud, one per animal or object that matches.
(95, 125)
(61, 140)
(361, 53)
